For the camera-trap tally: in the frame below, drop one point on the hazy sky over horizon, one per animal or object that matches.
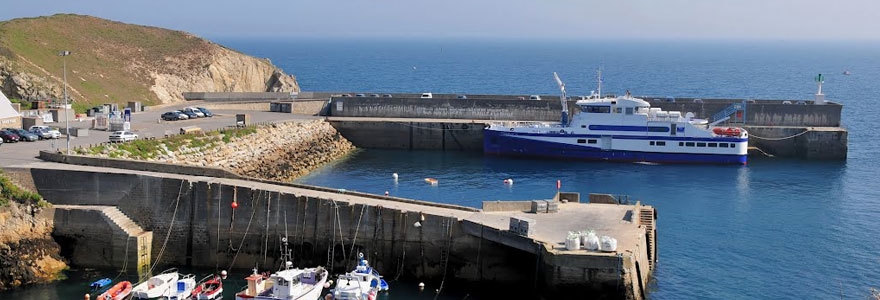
(575, 19)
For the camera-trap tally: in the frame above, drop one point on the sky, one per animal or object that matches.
(540, 19)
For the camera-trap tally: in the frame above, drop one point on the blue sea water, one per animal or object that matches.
(777, 228)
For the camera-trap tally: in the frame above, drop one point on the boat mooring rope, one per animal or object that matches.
(448, 247)
(402, 258)
(354, 240)
(170, 228)
(246, 230)
(782, 138)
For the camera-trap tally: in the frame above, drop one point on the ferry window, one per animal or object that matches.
(591, 141)
(661, 143)
(596, 109)
(713, 145)
(690, 144)
(652, 143)
(583, 126)
(629, 110)
(722, 145)
(701, 144)
(732, 145)
(680, 144)
(658, 129)
(582, 141)
(618, 110)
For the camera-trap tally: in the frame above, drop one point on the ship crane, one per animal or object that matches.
(562, 99)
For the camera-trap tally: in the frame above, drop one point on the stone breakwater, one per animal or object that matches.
(281, 151)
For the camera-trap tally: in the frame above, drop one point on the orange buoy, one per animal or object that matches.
(431, 180)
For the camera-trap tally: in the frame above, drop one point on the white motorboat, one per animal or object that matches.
(184, 288)
(287, 284)
(162, 285)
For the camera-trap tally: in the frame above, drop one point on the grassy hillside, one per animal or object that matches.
(111, 61)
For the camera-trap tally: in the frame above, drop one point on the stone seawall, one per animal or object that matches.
(28, 254)
(280, 151)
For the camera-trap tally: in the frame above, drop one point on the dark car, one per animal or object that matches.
(23, 135)
(171, 116)
(9, 137)
(205, 111)
(190, 114)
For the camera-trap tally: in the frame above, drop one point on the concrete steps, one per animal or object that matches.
(124, 222)
(646, 218)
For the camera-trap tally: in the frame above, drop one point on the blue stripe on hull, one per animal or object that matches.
(500, 143)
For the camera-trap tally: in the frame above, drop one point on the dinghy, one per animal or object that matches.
(209, 287)
(118, 292)
(100, 283)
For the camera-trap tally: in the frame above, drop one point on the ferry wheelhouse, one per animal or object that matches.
(620, 129)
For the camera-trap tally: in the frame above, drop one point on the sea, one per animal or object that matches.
(776, 228)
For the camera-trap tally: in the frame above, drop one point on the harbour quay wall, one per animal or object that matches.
(411, 134)
(760, 113)
(192, 218)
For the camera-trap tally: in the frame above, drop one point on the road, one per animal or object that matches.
(144, 124)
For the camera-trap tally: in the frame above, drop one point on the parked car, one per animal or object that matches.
(196, 111)
(9, 136)
(45, 132)
(23, 134)
(461, 97)
(386, 96)
(670, 99)
(374, 95)
(171, 116)
(427, 95)
(207, 112)
(1, 142)
(360, 95)
(535, 97)
(346, 95)
(122, 136)
(190, 114)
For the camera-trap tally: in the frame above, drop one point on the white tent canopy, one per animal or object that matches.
(6, 110)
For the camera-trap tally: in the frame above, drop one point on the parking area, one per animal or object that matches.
(144, 124)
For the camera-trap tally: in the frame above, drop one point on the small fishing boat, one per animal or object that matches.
(257, 284)
(210, 287)
(289, 283)
(100, 283)
(431, 180)
(185, 287)
(162, 285)
(363, 283)
(119, 291)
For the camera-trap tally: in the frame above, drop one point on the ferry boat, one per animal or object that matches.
(363, 283)
(620, 129)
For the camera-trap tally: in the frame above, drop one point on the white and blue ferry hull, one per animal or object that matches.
(568, 146)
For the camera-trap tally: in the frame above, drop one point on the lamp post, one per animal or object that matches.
(64, 55)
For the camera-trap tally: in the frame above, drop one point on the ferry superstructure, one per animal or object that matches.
(620, 129)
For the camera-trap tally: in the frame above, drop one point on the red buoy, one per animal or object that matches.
(234, 204)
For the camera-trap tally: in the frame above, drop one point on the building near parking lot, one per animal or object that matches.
(9, 117)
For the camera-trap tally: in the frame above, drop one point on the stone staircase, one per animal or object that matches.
(128, 246)
(647, 219)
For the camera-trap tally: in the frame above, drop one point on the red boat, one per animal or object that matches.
(210, 287)
(117, 292)
(727, 131)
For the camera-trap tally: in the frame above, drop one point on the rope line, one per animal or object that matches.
(170, 228)
(782, 138)
(246, 230)
(354, 240)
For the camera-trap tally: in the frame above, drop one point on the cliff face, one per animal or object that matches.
(28, 254)
(118, 62)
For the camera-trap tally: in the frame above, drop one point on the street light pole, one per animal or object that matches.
(64, 55)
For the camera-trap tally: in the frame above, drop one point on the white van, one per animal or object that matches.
(427, 95)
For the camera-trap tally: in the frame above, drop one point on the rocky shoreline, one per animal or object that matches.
(280, 151)
(28, 254)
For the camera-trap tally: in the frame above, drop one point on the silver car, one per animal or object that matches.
(122, 136)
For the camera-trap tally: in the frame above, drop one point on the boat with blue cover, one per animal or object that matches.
(100, 283)
(624, 129)
(363, 283)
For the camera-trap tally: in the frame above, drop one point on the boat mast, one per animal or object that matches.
(562, 99)
(599, 80)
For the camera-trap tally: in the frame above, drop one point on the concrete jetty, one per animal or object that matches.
(193, 215)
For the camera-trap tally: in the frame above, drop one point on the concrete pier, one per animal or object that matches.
(451, 244)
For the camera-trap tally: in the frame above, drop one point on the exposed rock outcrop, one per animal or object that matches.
(117, 62)
(28, 254)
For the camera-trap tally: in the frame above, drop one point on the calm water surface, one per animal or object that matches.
(785, 229)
